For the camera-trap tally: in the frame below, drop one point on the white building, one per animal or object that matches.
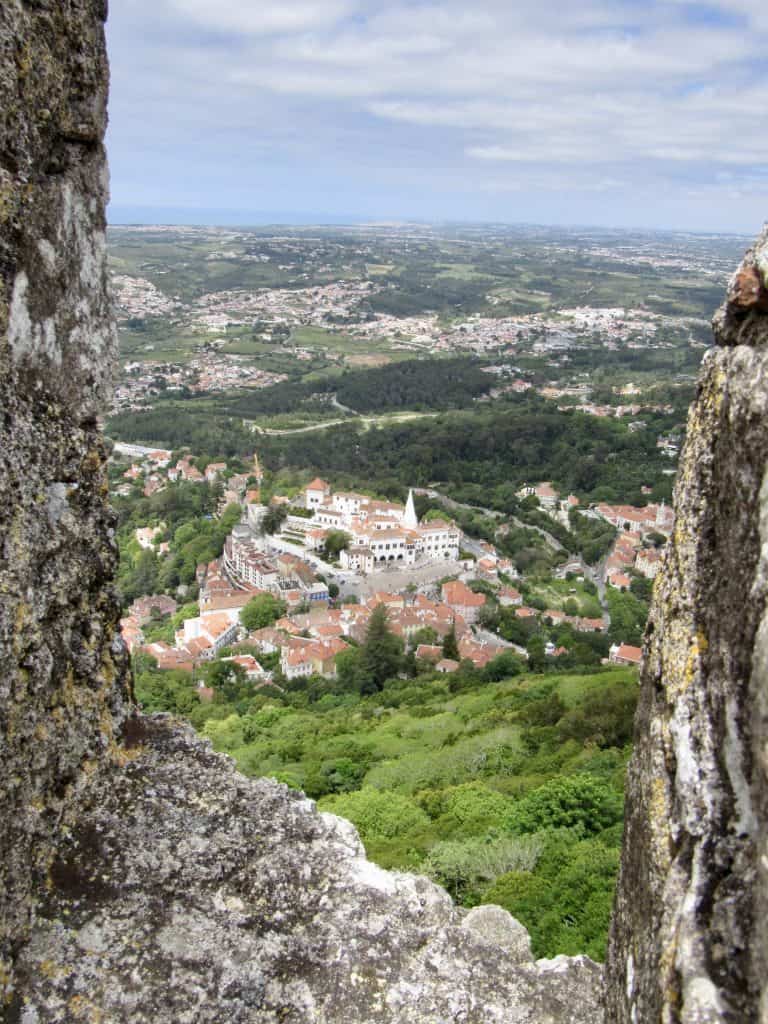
(244, 561)
(384, 532)
(207, 634)
(317, 492)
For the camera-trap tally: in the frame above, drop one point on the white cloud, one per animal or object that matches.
(263, 18)
(605, 91)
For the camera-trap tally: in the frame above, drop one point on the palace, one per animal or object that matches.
(382, 532)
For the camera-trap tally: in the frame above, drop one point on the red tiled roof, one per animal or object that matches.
(629, 653)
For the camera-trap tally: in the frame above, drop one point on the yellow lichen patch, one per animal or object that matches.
(108, 668)
(51, 970)
(121, 756)
(8, 202)
(692, 661)
(659, 816)
(83, 1009)
(68, 690)
(92, 461)
(25, 61)
(668, 977)
(22, 617)
(684, 675)
(106, 724)
(5, 981)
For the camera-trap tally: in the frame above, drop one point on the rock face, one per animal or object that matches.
(689, 940)
(142, 878)
(191, 894)
(60, 680)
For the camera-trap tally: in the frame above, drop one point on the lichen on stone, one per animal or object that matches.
(688, 941)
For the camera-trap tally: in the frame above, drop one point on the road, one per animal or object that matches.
(393, 579)
(367, 421)
(486, 636)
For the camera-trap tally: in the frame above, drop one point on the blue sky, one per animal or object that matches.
(620, 112)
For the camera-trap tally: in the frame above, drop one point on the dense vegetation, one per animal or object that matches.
(412, 384)
(179, 426)
(507, 792)
(486, 454)
(185, 512)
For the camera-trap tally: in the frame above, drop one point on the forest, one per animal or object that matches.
(486, 454)
(180, 425)
(412, 384)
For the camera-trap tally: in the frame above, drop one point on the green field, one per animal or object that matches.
(343, 344)
(556, 593)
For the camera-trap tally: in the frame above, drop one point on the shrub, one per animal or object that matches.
(472, 807)
(566, 902)
(377, 815)
(462, 866)
(566, 802)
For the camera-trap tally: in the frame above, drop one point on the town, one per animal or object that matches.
(350, 298)
(320, 562)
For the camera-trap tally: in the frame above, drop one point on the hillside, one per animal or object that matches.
(506, 792)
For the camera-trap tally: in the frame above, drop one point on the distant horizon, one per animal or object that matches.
(139, 217)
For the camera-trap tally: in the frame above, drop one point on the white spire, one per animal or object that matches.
(409, 519)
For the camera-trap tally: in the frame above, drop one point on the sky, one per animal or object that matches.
(623, 113)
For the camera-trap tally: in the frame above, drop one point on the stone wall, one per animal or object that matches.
(689, 939)
(60, 683)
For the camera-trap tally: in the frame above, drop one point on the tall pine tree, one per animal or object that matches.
(381, 654)
(450, 644)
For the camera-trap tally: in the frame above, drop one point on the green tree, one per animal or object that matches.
(605, 717)
(225, 733)
(503, 666)
(377, 815)
(228, 679)
(566, 903)
(462, 866)
(537, 660)
(641, 588)
(145, 572)
(274, 518)
(425, 635)
(450, 644)
(567, 802)
(336, 541)
(523, 894)
(262, 610)
(349, 670)
(381, 654)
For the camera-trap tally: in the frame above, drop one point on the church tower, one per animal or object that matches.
(409, 519)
